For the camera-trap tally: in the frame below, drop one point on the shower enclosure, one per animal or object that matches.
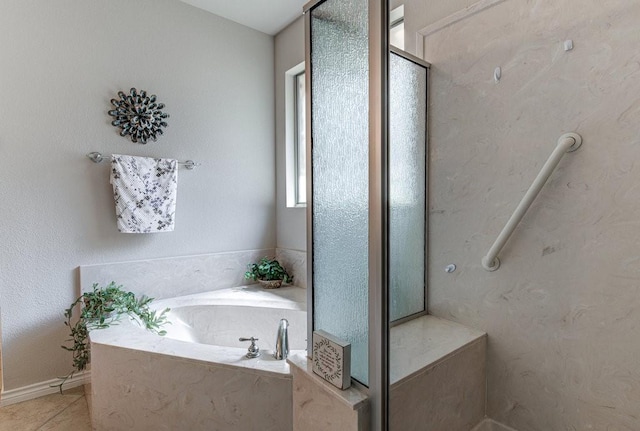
(366, 129)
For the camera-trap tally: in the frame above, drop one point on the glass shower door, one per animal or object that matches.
(367, 199)
(340, 174)
(407, 185)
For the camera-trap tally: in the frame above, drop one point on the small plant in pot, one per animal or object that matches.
(268, 272)
(99, 309)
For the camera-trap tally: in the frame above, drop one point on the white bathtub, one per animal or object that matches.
(221, 318)
(197, 376)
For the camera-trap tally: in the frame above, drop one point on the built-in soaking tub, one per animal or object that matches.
(197, 376)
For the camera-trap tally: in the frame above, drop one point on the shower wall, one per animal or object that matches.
(562, 312)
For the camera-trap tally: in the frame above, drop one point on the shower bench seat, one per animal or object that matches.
(437, 376)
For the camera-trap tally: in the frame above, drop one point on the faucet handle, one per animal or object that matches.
(253, 351)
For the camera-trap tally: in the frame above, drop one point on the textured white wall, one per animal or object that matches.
(562, 311)
(289, 52)
(61, 64)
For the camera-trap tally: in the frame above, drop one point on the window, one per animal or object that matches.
(396, 27)
(296, 149)
(300, 143)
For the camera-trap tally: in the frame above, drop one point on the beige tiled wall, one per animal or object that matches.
(561, 312)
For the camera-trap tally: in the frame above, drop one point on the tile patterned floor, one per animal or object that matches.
(56, 412)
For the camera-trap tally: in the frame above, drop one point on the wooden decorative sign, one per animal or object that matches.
(331, 359)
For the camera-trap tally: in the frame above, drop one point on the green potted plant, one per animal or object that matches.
(268, 272)
(99, 309)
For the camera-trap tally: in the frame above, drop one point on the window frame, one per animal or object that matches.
(293, 143)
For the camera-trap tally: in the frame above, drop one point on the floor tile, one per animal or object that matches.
(73, 418)
(31, 415)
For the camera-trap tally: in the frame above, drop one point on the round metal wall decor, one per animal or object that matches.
(138, 116)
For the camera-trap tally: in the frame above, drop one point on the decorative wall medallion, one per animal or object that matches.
(331, 359)
(138, 116)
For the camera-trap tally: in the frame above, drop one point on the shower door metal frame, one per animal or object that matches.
(379, 315)
(309, 169)
(378, 260)
(420, 62)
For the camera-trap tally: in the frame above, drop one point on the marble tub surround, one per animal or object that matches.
(129, 335)
(561, 311)
(175, 276)
(144, 381)
(295, 262)
(138, 390)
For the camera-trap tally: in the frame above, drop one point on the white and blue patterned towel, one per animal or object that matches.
(145, 193)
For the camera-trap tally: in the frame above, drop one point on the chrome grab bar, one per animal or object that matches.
(567, 143)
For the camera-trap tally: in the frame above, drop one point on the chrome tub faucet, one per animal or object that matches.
(282, 340)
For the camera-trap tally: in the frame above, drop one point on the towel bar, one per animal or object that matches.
(97, 157)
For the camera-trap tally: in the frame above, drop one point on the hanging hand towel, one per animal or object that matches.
(145, 193)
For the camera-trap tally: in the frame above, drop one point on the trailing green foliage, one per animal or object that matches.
(267, 269)
(100, 309)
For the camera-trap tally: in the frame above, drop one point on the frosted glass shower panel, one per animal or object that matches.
(407, 185)
(340, 172)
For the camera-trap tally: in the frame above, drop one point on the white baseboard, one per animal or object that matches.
(40, 389)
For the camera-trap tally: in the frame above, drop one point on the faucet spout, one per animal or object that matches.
(282, 340)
